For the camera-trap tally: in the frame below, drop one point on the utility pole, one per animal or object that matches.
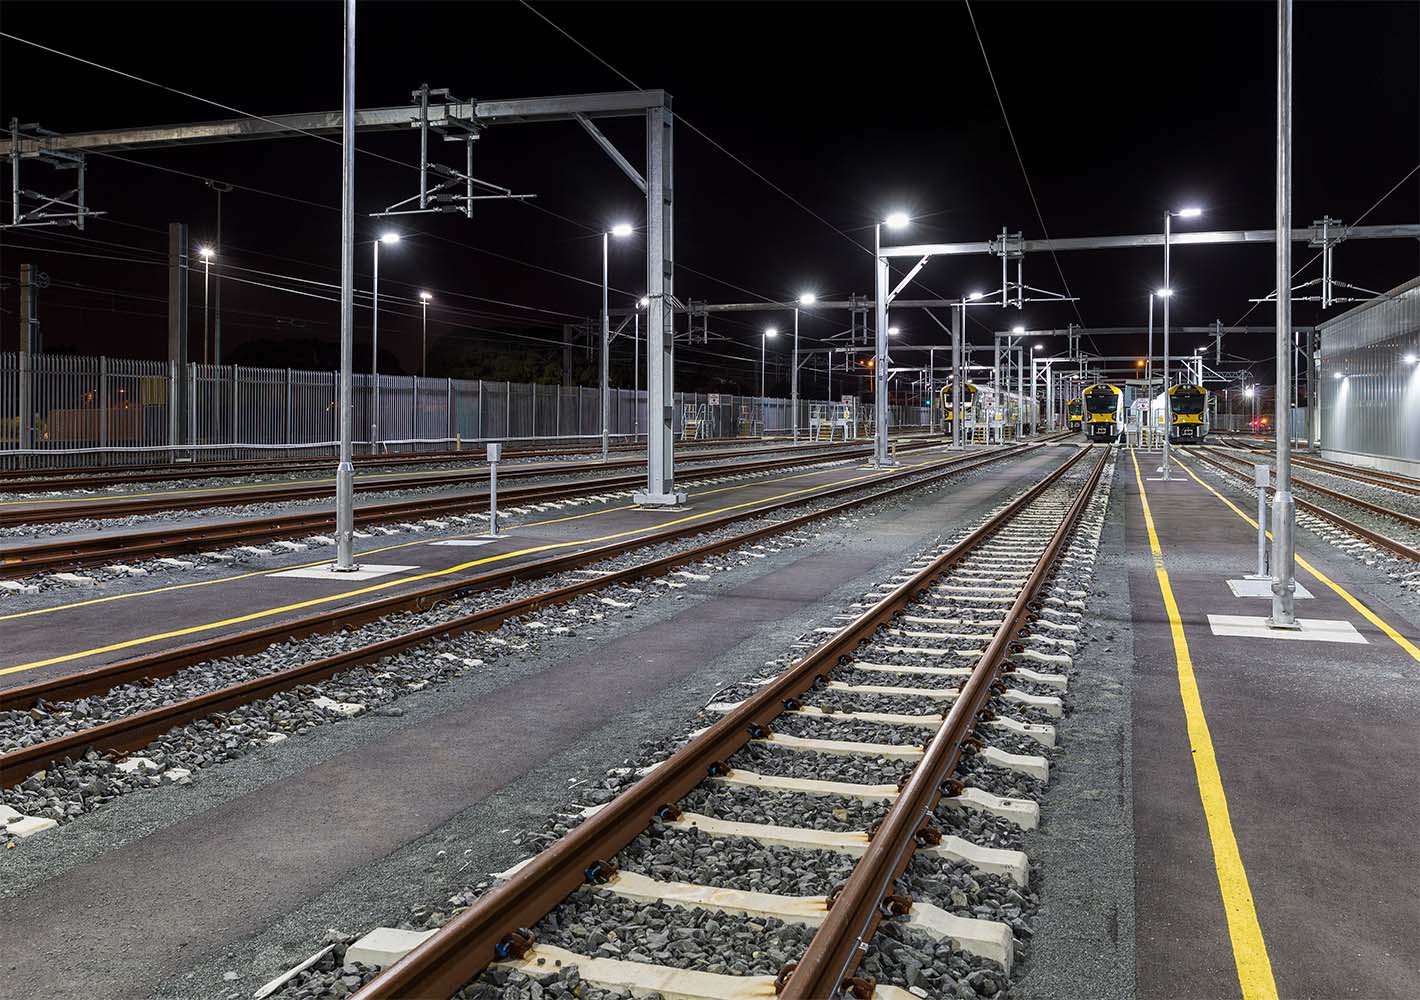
(1284, 584)
(345, 471)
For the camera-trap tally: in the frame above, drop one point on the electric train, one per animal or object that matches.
(968, 404)
(1103, 414)
(1184, 410)
(1074, 413)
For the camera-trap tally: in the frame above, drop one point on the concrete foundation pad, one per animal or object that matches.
(367, 571)
(1310, 630)
(1248, 587)
(468, 542)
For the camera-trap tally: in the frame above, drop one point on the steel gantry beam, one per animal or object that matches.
(1306, 235)
(653, 106)
(617, 104)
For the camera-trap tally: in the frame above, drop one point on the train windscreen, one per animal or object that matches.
(1101, 402)
(1188, 402)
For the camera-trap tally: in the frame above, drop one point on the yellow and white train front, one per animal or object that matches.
(1183, 410)
(1104, 406)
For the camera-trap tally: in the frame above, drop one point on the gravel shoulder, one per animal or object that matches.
(1084, 947)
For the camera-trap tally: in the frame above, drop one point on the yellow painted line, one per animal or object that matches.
(1249, 950)
(432, 574)
(366, 553)
(1336, 588)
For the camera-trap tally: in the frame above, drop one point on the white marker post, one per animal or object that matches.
(1260, 473)
(495, 452)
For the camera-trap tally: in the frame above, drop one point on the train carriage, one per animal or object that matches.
(1103, 415)
(1183, 409)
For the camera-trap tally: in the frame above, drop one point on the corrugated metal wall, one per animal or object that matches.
(1370, 393)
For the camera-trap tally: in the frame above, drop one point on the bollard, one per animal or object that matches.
(1259, 477)
(495, 452)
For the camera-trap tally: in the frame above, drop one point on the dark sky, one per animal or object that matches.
(1120, 110)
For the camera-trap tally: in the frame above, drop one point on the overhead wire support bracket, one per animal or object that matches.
(74, 209)
(439, 197)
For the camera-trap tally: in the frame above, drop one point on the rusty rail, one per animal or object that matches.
(137, 730)
(835, 951)
(441, 965)
(1384, 541)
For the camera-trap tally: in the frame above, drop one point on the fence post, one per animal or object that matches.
(480, 408)
(173, 415)
(289, 415)
(414, 411)
(534, 408)
(507, 409)
(192, 406)
(448, 411)
(234, 410)
(103, 410)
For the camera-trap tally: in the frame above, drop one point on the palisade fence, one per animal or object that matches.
(68, 410)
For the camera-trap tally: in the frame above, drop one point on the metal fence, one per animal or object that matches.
(66, 410)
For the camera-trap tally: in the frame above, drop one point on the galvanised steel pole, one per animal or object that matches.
(880, 364)
(424, 338)
(636, 378)
(1284, 511)
(605, 366)
(794, 381)
(763, 405)
(958, 328)
(345, 471)
(1149, 373)
(1168, 296)
(206, 276)
(375, 358)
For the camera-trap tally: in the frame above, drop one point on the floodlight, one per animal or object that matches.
(896, 220)
(621, 229)
(807, 299)
(389, 237)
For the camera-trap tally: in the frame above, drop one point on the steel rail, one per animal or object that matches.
(134, 731)
(33, 480)
(841, 941)
(445, 962)
(1376, 477)
(70, 553)
(1393, 545)
(100, 507)
(139, 729)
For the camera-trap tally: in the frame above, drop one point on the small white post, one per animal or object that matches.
(495, 452)
(1260, 472)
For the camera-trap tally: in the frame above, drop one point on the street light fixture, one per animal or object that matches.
(769, 331)
(1018, 329)
(894, 220)
(620, 230)
(806, 299)
(893, 331)
(974, 296)
(1191, 212)
(389, 238)
(424, 298)
(206, 254)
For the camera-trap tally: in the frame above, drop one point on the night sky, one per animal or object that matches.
(1120, 111)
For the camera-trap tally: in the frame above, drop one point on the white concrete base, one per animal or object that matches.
(345, 708)
(807, 786)
(19, 825)
(384, 946)
(367, 571)
(1254, 587)
(1310, 630)
(465, 542)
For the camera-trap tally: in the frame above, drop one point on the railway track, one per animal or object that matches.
(98, 476)
(1243, 470)
(98, 550)
(57, 510)
(71, 739)
(1373, 477)
(981, 601)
